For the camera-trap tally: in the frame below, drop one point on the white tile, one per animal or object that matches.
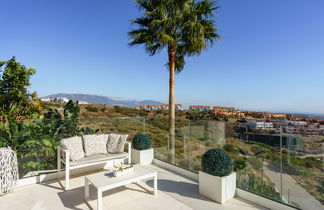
(175, 193)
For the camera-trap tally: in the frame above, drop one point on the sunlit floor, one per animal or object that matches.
(174, 192)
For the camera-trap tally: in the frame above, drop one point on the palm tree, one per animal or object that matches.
(184, 27)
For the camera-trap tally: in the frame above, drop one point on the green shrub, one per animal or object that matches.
(141, 142)
(216, 162)
(239, 164)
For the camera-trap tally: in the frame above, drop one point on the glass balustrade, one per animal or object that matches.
(282, 163)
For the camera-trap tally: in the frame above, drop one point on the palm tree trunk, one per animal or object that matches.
(171, 143)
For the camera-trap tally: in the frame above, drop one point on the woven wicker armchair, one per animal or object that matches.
(8, 170)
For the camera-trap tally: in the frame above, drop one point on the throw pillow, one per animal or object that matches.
(74, 146)
(112, 143)
(121, 143)
(95, 144)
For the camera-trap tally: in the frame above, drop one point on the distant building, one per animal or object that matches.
(58, 100)
(155, 107)
(256, 125)
(151, 107)
(199, 108)
(296, 123)
(224, 108)
(166, 106)
(260, 125)
(228, 112)
(146, 107)
(137, 107)
(47, 99)
(178, 107)
(268, 125)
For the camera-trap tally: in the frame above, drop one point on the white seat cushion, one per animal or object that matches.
(75, 146)
(99, 158)
(95, 144)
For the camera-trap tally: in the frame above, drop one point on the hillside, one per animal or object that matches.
(109, 101)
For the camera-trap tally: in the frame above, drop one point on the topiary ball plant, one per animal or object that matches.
(141, 142)
(217, 162)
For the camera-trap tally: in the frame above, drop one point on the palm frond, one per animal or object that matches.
(186, 25)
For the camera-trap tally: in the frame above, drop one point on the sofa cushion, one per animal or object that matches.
(116, 143)
(95, 144)
(121, 143)
(98, 158)
(112, 143)
(75, 146)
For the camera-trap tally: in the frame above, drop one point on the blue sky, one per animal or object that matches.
(271, 56)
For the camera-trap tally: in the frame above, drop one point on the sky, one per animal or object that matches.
(270, 57)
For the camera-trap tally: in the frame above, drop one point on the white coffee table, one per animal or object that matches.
(104, 181)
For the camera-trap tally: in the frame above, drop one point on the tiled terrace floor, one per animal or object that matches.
(174, 192)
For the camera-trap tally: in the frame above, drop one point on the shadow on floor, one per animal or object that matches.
(53, 184)
(72, 198)
(191, 190)
(75, 197)
(182, 188)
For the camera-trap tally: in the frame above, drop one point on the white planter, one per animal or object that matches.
(219, 189)
(142, 157)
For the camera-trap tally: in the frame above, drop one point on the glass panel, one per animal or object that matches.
(157, 129)
(269, 161)
(302, 176)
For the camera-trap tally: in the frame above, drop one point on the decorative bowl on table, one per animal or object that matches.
(123, 170)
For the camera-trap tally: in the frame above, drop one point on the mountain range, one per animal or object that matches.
(109, 101)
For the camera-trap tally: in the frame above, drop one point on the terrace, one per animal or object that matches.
(174, 192)
(257, 187)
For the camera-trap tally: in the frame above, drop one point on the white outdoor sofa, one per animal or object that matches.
(88, 150)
